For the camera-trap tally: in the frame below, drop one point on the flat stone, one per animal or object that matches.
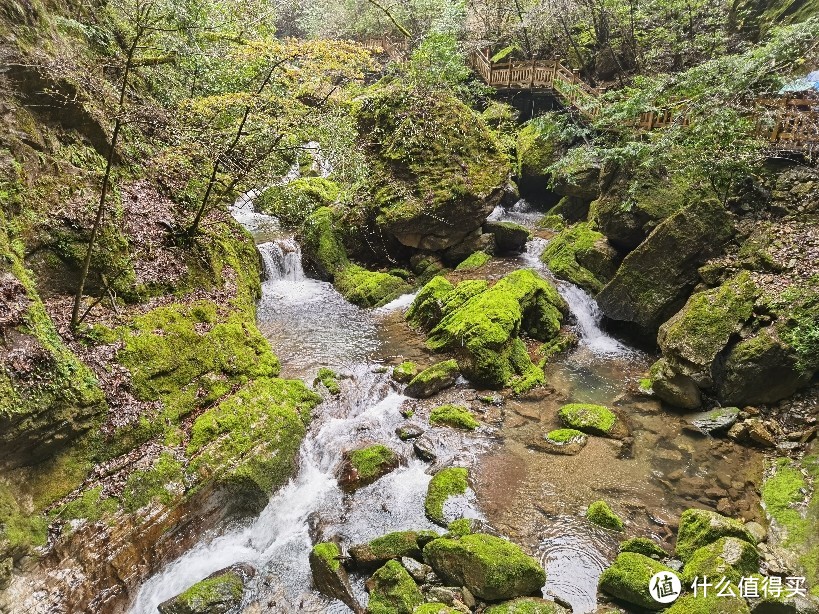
(408, 431)
(715, 421)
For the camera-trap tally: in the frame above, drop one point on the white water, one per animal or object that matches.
(282, 260)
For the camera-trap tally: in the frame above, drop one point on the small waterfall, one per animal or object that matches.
(282, 260)
(588, 316)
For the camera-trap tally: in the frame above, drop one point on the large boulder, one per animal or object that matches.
(438, 170)
(385, 548)
(393, 591)
(582, 256)
(628, 579)
(490, 567)
(655, 279)
(219, 593)
(329, 576)
(674, 388)
(539, 145)
(509, 237)
(700, 528)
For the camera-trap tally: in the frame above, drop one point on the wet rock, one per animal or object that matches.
(455, 416)
(716, 421)
(654, 280)
(432, 380)
(563, 441)
(699, 528)
(674, 388)
(476, 242)
(509, 237)
(760, 433)
(738, 432)
(757, 531)
(628, 579)
(527, 605)
(728, 556)
(448, 595)
(601, 514)
(644, 546)
(592, 419)
(393, 591)
(783, 604)
(491, 568)
(425, 449)
(387, 547)
(364, 466)
(447, 483)
(582, 182)
(329, 576)
(408, 431)
(420, 572)
(404, 372)
(219, 593)
(426, 309)
(496, 400)
(582, 256)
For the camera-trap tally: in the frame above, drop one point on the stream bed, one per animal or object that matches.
(534, 498)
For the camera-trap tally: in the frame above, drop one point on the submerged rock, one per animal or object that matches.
(644, 546)
(490, 567)
(428, 382)
(674, 388)
(563, 441)
(628, 579)
(456, 416)
(527, 605)
(393, 591)
(717, 420)
(364, 466)
(601, 514)
(329, 576)
(590, 418)
(447, 483)
(219, 593)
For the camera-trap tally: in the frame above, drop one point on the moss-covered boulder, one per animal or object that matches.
(527, 605)
(692, 338)
(481, 325)
(655, 279)
(700, 528)
(582, 256)
(393, 591)
(728, 556)
(433, 379)
(404, 372)
(601, 514)
(369, 288)
(447, 483)
(321, 244)
(589, 418)
(475, 261)
(628, 580)
(330, 577)
(509, 237)
(710, 603)
(539, 145)
(456, 416)
(644, 546)
(434, 608)
(490, 567)
(426, 310)
(564, 441)
(219, 593)
(387, 547)
(438, 169)
(293, 201)
(364, 466)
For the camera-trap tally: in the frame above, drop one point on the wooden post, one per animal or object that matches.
(509, 74)
(532, 76)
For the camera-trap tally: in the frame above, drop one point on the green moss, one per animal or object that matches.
(322, 244)
(444, 370)
(644, 546)
(292, 202)
(329, 379)
(602, 515)
(475, 261)
(405, 371)
(370, 461)
(572, 246)
(163, 482)
(709, 604)
(396, 545)
(90, 505)
(425, 310)
(565, 436)
(446, 483)
(628, 579)
(699, 528)
(369, 288)
(798, 309)
(330, 553)
(589, 418)
(434, 608)
(20, 530)
(226, 588)
(729, 557)
(526, 605)
(456, 416)
(539, 145)
(394, 591)
(490, 567)
(459, 527)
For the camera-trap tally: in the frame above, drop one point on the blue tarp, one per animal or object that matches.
(809, 82)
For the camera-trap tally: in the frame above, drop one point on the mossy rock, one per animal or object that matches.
(456, 416)
(219, 593)
(654, 280)
(404, 372)
(432, 380)
(369, 288)
(564, 441)
(432, 189)
(491, 568)
(474, 261)
(728, 556)
(700, 528)
(527, 605)
(387, 547)
(330, 577)
(582, 256)
(425, 311)
(434, 608)
(674, 388)
(322, 246)
(481, 325)
(589, 418)
(393, 591)
(329, 379)
(509, 236)
(293, 201)
(601, 514)
(644, 546)
(709, 604)
(449, 482)
(540, 144)
(628, 579)
(364, 466)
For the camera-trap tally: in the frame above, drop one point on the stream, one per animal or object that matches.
(534, 498)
